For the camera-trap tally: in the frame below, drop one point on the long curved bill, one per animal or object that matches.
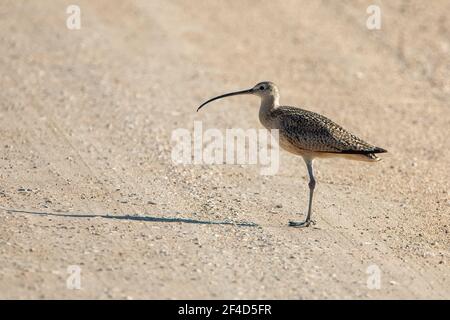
(249, 91)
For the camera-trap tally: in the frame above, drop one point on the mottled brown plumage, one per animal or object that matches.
(311, 132)
(307, 134)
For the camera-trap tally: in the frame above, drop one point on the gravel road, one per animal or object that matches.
(86, 177)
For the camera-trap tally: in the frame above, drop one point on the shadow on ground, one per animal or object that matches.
(132, 218)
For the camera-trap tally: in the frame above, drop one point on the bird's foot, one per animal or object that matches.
(303, 224)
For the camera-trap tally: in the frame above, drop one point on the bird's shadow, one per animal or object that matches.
(132, 218)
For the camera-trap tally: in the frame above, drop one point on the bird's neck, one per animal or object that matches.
(268, 104)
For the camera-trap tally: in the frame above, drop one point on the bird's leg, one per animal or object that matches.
(312, 185)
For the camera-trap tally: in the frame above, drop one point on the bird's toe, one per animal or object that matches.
(299, 224)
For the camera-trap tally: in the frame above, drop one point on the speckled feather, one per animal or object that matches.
(311, 131)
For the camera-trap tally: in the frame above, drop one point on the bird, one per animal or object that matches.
(307, 134)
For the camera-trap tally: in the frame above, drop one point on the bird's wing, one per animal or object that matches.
(313, 132)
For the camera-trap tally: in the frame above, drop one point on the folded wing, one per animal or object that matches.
(313, 132)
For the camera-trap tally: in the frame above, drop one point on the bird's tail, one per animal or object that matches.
(369, 156)
(372, 157)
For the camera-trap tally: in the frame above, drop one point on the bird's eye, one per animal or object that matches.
(261, 88)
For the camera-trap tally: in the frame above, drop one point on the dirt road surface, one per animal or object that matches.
(87, 180)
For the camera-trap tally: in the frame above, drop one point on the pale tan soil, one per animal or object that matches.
(86, 119)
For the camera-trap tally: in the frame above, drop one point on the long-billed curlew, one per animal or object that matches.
(307, 134)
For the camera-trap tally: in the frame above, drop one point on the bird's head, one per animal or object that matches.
(264, 90)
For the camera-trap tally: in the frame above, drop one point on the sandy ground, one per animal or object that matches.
(86, 177)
